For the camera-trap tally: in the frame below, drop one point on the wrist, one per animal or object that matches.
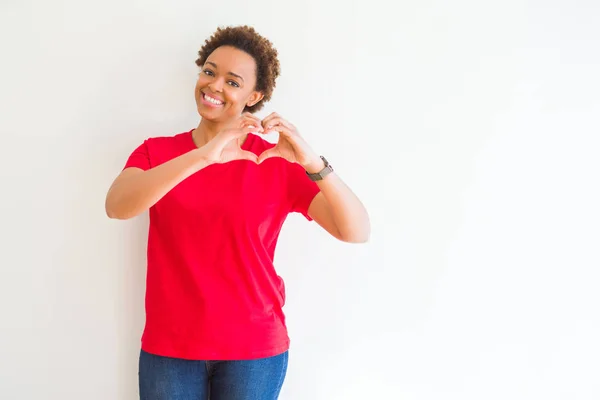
(201, 159)
(314, 166)
(317, 172)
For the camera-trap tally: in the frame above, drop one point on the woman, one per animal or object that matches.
(217, 197)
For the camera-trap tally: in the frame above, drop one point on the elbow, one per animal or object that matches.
(364, 239)
(362, 236)
(356, 239)
(113, 212)
(359, 232)
(115, 215)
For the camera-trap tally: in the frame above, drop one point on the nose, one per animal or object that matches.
(216, 85)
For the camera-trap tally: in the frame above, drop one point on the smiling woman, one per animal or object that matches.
(214, 318)
(222, 93)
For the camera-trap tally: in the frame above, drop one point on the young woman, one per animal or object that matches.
(218, 196)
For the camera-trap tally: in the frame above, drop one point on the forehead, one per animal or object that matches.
(230, 59)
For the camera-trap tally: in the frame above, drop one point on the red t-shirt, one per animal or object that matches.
(212, 292)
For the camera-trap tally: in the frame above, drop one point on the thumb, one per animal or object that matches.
(248, 155)
(265, 155)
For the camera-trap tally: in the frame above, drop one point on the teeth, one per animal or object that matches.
(214, 101)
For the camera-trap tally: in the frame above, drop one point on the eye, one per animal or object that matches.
(234, 84)
(208, 72)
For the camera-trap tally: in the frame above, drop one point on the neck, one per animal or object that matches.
(206, 131)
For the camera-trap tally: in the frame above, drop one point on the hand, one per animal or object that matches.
(290, 146)
(225, 146)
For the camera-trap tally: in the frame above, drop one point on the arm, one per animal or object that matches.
(338, 210)
(135, 190)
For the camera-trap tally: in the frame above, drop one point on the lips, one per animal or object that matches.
(212, 100)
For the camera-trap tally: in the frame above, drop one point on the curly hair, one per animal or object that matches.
(245, 38)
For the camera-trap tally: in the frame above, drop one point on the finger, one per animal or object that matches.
(265, 155)
(269, 118)
(278, 121)
(272, 115)
(281, 129)
(251, 117)
(233, 134)
(247, 121)
(234, 147)
(248, 155)
(252, 126)
(250, 123)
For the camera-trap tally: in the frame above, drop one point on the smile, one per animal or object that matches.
(212, 100)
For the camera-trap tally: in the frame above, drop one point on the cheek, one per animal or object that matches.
(202, 82)
(235, 96)
(197, 88)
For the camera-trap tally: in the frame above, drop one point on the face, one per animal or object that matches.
(226, 84)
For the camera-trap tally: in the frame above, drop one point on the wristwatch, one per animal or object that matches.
(322, 173)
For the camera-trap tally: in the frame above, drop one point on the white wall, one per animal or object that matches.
(469, 128)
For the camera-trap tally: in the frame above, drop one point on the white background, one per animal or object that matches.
(470, 129)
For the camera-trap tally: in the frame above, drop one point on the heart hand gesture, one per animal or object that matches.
(226, 147)
(290, 146)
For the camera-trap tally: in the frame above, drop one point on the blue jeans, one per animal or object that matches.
(165, 378)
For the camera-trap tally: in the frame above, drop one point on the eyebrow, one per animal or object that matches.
(230, 73)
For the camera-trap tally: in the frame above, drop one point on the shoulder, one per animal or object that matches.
(158, 149)
(178, 138)
(168, 145)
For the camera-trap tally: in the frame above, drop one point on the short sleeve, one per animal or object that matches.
(139, 158)
(302, 190)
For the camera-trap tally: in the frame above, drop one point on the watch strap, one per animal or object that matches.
(317, 176)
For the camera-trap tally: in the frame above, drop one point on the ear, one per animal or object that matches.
(254, 98)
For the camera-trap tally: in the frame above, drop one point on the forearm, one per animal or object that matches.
(348, 212)
(134, 193)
